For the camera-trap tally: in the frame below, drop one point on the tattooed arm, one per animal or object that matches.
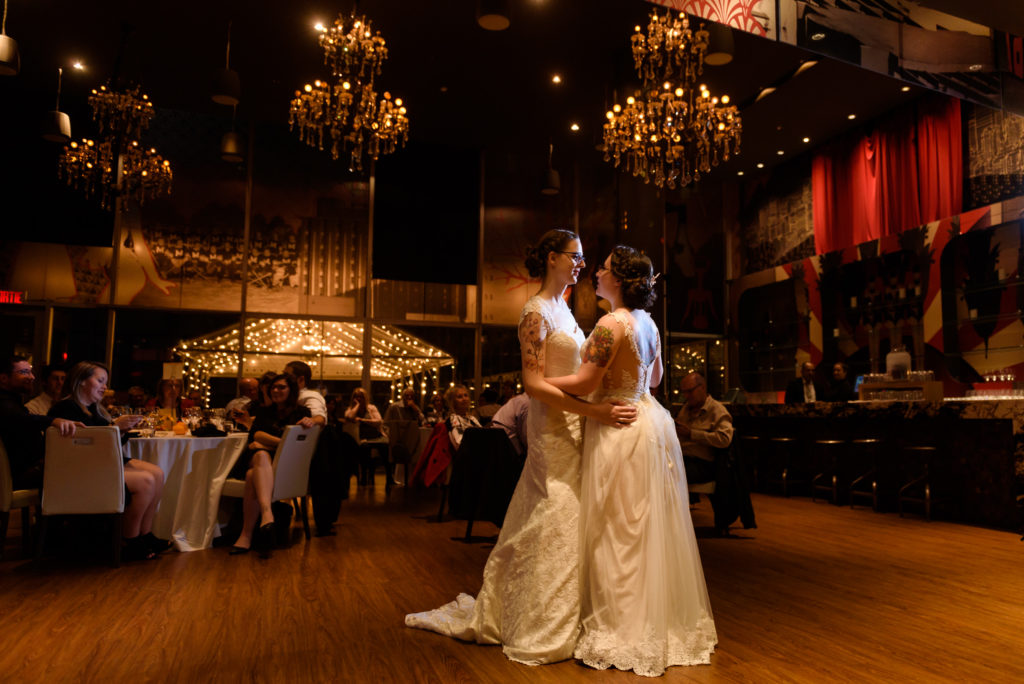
(598, 352)
(531, 343)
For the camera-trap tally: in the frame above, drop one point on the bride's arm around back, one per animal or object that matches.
(531, 343)
(597, 352)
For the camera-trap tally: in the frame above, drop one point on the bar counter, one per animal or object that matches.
(981, 443)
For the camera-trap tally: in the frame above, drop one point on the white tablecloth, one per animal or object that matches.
(195, 469)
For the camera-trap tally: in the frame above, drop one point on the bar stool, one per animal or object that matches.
(828, 461)
(865, 461)
(919, 488)
(782, 449)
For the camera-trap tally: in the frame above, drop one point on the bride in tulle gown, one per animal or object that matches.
(530, 598)
(644, 603)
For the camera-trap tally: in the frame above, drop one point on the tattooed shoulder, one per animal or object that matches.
(531, 342)
(598, 347)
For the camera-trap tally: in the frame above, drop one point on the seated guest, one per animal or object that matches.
(256, 464)
(459, 420)
(53, 386)
(137, 398)
(366, 418)
(87, 382)
(511, 417)
(840, 389)
(437, 411)
(20, 431)
(702, 425)
(248, 390)
(406, 409)
(487, 406)
(168, 398)
(244, 415)
(805, 389)
(196, 397)
(308, 397)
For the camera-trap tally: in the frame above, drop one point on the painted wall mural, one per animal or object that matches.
(752, 16)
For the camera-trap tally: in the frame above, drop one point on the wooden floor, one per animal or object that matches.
(816, 594)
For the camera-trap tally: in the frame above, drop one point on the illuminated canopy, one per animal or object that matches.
(333, 349)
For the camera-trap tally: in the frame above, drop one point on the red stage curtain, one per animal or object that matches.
(904, 173)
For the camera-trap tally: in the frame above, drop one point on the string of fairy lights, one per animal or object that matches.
(333, 349)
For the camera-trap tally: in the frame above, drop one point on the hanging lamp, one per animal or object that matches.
(227, 87)
(552, 182)
(721, 46)
(492, 15)
(57, 124)
(10, 60)
(231, 147)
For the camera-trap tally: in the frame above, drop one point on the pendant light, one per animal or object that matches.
(721, 46)
(227, 87)
(57, 124)
(552, 182)
(10, 60)
(231, 148)
(492, 15)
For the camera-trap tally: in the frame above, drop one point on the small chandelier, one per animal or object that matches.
(672, 130)
(116, 164)
(344, 113)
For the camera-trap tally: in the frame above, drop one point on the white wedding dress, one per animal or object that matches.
(644, 602)
(530, 601)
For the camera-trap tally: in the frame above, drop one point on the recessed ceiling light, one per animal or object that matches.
(976, 67)
(556, 79)
(739, 173)
(760, 165)
(818, 35)
(444, 89)
(807, 140)
(905, 89)
(851, 117)
(765, 92)
(78, 65)
(574, 127)
(319, 26)
(780, 152)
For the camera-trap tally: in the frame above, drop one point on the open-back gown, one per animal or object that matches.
(530, 602)
(644, 602)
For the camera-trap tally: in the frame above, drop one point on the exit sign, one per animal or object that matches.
(12, 297)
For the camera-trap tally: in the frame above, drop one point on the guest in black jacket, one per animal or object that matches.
(805, 389)
(20, 430)
(144, 481)
(256, 467)
(840, 389)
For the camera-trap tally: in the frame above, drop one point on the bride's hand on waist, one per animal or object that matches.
(616, 413)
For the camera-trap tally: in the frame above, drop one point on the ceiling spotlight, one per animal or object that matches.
(574, 127)
(739, 173)
(780, 152)
(976, 67)
(319, 26)
(818, 35)
(556, 79)
(851, 117)
(905, 89)
(804, 66)
(807, 140)
(760, 165)
(77, 65)
(765, 92)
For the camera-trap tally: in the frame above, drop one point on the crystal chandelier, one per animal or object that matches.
(672, 130)
(116, 165)
(345, 114)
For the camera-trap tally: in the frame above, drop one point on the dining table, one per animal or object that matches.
(194, 472)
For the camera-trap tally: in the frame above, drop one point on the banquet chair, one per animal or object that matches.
(84, 475)
(291, 470)
(14, 498)
(485, 471)
(403, 441)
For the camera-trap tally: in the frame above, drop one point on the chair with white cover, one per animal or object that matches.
(14, 498)
(84, 475)
(291, 470)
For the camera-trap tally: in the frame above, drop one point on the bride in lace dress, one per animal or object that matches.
(530, 601)
(644, 603)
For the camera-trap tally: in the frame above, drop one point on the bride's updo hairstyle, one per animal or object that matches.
(636, 273)
(553, 241)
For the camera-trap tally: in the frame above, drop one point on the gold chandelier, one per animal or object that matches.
(345, 113)
(672, 130)
(116, 165)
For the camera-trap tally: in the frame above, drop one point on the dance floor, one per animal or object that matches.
(816, 594)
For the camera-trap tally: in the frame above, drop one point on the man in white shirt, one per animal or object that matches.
(248, 390)
(511, 417)
(309, 398)
(53, 385)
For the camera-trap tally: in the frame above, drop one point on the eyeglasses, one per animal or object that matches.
(23, 371)
(577, 257)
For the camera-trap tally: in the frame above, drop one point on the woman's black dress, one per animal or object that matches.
(266, 420)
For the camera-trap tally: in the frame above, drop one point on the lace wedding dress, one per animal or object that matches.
(529, 601)
(644, 603)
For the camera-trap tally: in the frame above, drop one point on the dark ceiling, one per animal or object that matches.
(462, 84)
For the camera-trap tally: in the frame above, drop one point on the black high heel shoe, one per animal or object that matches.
(156, 544)
(263, 541)
(238, 550)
